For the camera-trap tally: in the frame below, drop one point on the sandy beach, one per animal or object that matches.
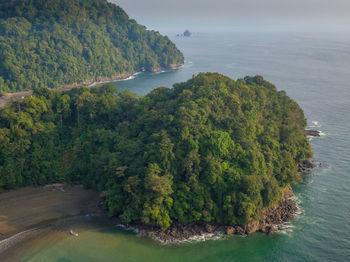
(26, 213)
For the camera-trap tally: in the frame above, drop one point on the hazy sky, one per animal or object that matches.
(235, 14)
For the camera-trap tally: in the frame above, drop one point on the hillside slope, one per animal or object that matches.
(209, 149)
(49, 43)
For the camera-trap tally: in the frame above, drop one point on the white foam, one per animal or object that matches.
(160, 72)
(315, 124)
(8, 242)
(197, 238)
(194, 239)
(118, 80)
(285, 228)
(129, 78)
(187, 64)
(131, 229)
(322, 134)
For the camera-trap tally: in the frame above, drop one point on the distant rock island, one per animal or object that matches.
(187, 33)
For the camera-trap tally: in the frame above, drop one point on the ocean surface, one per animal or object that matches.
(314, 69)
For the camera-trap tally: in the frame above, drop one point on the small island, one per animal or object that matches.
(209, 155)
(187, 33)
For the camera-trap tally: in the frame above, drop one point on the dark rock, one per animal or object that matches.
(230, 230)
(187, 33)
(270, 230)
(209, 228)
(312, 133)
(252, 227)
(281, 212)
(306, 165)
(240, 230)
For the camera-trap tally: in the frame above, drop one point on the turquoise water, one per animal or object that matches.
(315, 71)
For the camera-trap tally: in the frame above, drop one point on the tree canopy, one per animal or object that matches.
(209, 149)
(49, 43)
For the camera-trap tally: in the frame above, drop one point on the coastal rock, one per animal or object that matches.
(263, 227)
(270, 230)
(272, 217)
(288, 192)
(174, 66)
(252, 227)
(156, 70)
(306, 166)
(312, 133)
(209, 228)
(240, 230)
(230, 230)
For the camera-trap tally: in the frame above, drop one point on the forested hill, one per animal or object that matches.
(49, 43)
(209, 149)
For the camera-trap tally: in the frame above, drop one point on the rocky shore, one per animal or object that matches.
(306, 165)
(314, 133)
(172, 66)
(270, 219)
(7, 98)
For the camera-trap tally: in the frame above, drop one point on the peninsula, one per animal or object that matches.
(211, 151)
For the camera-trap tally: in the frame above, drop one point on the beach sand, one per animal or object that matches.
(29, 212)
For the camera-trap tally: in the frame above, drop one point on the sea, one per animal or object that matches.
(314, 69)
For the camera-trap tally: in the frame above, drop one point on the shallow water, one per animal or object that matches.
(315, 71)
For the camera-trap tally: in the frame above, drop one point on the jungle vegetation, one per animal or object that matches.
(209, 149)
(50, 43)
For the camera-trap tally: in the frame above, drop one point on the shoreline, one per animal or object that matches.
(7, 98)
(20, 245)
(271, 219)
(27, 212)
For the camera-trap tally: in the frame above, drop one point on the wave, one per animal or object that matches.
(187, 64)
(133, 76)
(118, 80)
(285, 228)
(129, 78)
(197, 238)
(11, 241)
(322, 134)
(315, 124)
(288, 227)
(131, 229)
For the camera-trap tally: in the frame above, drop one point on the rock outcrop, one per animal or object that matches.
(306, 165)
(312, 133)
(270, 218)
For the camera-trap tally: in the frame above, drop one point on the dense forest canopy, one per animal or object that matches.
(209, 149)
(49, 43)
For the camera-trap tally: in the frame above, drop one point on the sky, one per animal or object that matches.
(280, 15)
